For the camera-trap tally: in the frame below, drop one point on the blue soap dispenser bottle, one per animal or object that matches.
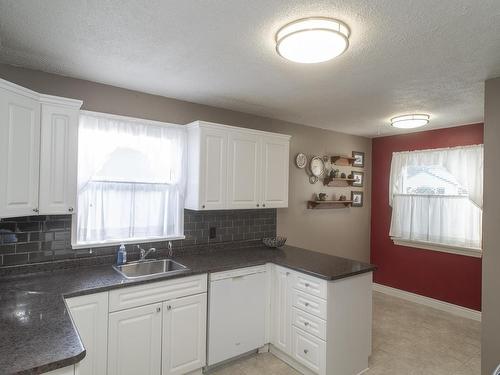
(121, 257)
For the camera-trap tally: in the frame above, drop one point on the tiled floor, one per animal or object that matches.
(408, 339)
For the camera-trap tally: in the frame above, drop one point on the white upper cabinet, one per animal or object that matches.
(207, 169)
(275, 159)
(236, 168)
(37, 152)
(243, 170)
(58, 156)
(19, 150)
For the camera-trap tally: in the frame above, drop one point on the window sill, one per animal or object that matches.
(125, 242)
(475, 253)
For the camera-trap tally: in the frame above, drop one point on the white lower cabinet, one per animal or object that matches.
(165, 334)
(312, 317)
(155, 328)
(309, 350)
(90, 315)
(184, 334)
(135, 341)
(281, 327)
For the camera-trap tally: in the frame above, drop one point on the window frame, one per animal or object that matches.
(475, 252)
(134, 241)
(467, 251)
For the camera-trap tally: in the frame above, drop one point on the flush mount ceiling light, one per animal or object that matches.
(312, 40)
(410, 121)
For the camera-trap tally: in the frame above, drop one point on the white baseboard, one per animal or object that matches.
(431, 302)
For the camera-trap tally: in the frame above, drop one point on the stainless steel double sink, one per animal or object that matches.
(145, 268)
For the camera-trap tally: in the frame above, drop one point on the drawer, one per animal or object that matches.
(311, 285)
(309, 323)
(313, 305)
(309, 351)
(145, 294)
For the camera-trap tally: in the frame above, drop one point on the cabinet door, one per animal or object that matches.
(58, 160)
(134, 341)
(243, 170)
(19, 154)
(213, 169)
(281, 310)
(275, 164)
(184, 334)
(90, 315)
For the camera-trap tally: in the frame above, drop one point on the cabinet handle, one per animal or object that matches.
(158, 309)
(70, 209)
(307, 285)
(203, 206)
(306, 304)
(169, 307)
(35, 210)
(306, 323)
(263, 205)
(288, 273)
(306, 351)
(257, 205)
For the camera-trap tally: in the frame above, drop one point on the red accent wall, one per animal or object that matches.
(447, 277)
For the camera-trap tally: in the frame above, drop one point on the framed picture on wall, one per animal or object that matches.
(358, 178)
(359, 159)
(357, 198)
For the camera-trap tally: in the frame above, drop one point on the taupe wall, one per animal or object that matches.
(343, 232)
(491, 230)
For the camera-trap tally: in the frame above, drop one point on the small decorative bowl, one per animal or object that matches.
(274, 242)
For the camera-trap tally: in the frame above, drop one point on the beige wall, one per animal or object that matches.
(491, 234)
(343, 232)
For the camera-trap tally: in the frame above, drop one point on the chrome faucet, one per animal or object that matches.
(144, 253)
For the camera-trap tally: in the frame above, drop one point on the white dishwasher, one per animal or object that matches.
(237, 312)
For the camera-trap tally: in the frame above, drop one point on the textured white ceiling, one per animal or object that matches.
(405, 55)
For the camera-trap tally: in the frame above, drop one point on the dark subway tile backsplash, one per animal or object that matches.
(42, 238)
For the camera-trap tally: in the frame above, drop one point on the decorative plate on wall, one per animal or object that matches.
(301, 160)
(313, 179)
(317, 166)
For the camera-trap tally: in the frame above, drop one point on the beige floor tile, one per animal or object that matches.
(408, 339)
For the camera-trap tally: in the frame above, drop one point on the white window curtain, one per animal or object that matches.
(437, 196)
(131, 180)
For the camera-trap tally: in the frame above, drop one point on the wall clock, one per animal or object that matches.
(317, 166)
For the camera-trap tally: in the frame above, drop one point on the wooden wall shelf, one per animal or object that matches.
(327, 204)
(342, 160)
(338, 182)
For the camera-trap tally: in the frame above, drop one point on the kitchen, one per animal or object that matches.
(199, 195)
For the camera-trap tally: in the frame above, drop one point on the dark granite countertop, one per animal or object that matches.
(36, 331)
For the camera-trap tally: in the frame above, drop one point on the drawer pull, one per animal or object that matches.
(158, 309)
(169, 307)
(306, 323)
(306, 351)
(307, 285)
(306, 304)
